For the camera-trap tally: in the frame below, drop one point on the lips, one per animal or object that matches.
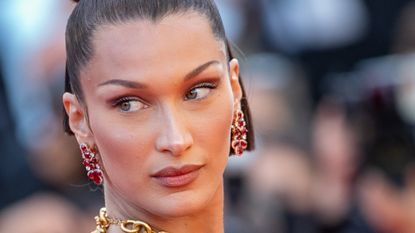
(176, 177)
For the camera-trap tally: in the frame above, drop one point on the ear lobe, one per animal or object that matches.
(77, 117)
(234, 78)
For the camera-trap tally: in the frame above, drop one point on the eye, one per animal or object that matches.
(200, 91)
(129, 104)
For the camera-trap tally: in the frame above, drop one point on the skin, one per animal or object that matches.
(171, 120)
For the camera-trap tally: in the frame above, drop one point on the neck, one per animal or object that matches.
(207, 220)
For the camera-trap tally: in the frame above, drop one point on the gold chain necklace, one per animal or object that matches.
(129, 226)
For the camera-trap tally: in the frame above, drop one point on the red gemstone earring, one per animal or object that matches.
(90, 161)
(239, 133)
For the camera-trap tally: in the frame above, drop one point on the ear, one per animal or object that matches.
(77, 118)
(234, 78)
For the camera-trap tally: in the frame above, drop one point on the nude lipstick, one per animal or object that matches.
(176, 177)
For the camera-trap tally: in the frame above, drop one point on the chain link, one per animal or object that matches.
(128, 226)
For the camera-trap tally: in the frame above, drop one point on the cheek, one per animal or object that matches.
(216, 142)
(123, 148)
(212, 130)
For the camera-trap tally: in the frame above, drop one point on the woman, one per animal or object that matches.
(154, 99)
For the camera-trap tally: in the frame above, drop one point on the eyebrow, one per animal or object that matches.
(199, 69)
(133, 84)
(124, 83)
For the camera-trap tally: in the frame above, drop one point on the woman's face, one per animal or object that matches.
(160, 99)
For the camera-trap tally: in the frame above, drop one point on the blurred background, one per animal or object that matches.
(331, 84)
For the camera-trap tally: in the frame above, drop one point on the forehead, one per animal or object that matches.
(143, 47)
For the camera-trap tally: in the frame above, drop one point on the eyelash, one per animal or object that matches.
(210, 85)
(121, 100)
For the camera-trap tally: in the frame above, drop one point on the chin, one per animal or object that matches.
(183, 204)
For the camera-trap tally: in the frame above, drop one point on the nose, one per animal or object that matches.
(174, 137)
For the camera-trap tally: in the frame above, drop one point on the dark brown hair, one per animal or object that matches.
(89, 15)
